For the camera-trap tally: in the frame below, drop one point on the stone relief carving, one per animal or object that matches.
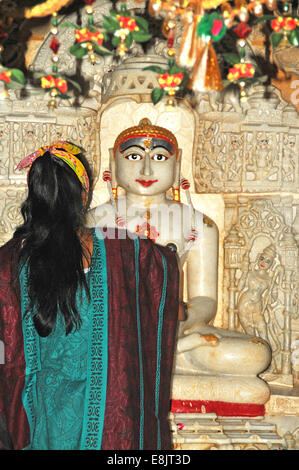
(255, 150)
(22, 133)
(261, 266)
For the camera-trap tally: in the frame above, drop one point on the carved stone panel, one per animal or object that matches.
(261, 271)
(22, 133)
(256, 150)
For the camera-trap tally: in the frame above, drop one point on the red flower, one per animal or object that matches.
(217, 27)
(84, 35)
(5, 76)
(51, 82)
(242, 30)
(289, 24)
(48, 82)
(242, 70)
(167, 80)
(61, 84)
(126, 22)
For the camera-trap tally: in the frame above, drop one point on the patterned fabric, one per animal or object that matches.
(63, 404)
(67, 155)
(66, 376)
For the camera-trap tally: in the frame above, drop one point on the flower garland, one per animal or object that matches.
(170, 81)
(56, 84)
(285, 27)
(125, 28)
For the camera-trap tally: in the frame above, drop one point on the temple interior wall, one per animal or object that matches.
(242, 163)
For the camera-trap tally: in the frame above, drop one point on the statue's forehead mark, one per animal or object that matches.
(147, 142)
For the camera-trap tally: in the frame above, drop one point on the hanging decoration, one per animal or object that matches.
(205, 75)
(170, 82)
(285, 28)
(202, 28)
(193, 63)
(125, 28)
(89, 40)
(242, 71)
(120, 28)
(54, 83)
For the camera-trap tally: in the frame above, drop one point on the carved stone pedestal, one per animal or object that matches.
(212, 432)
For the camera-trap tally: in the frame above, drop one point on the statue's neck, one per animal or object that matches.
(144, 201)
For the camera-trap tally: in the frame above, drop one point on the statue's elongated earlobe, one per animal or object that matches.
(177, 180)
(113, 173)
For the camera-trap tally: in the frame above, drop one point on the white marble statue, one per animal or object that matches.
(210, 363)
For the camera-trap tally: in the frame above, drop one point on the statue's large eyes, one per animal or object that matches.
(134, 157)
(159, 158)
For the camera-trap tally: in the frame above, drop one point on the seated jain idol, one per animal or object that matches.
(211, 365)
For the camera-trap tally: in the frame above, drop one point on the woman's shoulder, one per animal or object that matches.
(9, 255)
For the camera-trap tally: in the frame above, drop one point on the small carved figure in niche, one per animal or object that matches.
(260, 287)
(263, 157)
(234, 158)
(29, 139)
(288, 158)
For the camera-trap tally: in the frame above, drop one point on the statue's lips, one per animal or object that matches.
(146, 183)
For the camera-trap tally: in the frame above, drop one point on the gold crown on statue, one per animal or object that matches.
(146, 129)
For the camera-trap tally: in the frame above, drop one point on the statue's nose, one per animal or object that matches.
(146, 169)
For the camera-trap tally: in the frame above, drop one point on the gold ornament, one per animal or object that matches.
(206, 74)
(46, 8)
(190, 42)
(271, 4)
(145, 127)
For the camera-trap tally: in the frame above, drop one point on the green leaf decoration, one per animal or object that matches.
(17, 76)
(69, 24)
(212, 25)
(140, 36)
(157, 94)
(293, 37)
(129, 41)
(101, 50)
(231, 58)
(276, 38)
(141, 23)
(264, 18)
(124, 11)
(156, 69)
(115, 41)
(91, 28)
(175, 69)
(74, 84)
(111, 24)
(13, 85)
(78, 51)
(63, 96)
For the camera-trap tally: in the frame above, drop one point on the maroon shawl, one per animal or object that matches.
(123, 412)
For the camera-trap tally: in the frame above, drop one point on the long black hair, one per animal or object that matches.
(53, 214)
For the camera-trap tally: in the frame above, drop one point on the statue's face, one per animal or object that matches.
(264, 261)
(146, 167)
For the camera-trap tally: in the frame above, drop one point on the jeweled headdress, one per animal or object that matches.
(148, 131)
